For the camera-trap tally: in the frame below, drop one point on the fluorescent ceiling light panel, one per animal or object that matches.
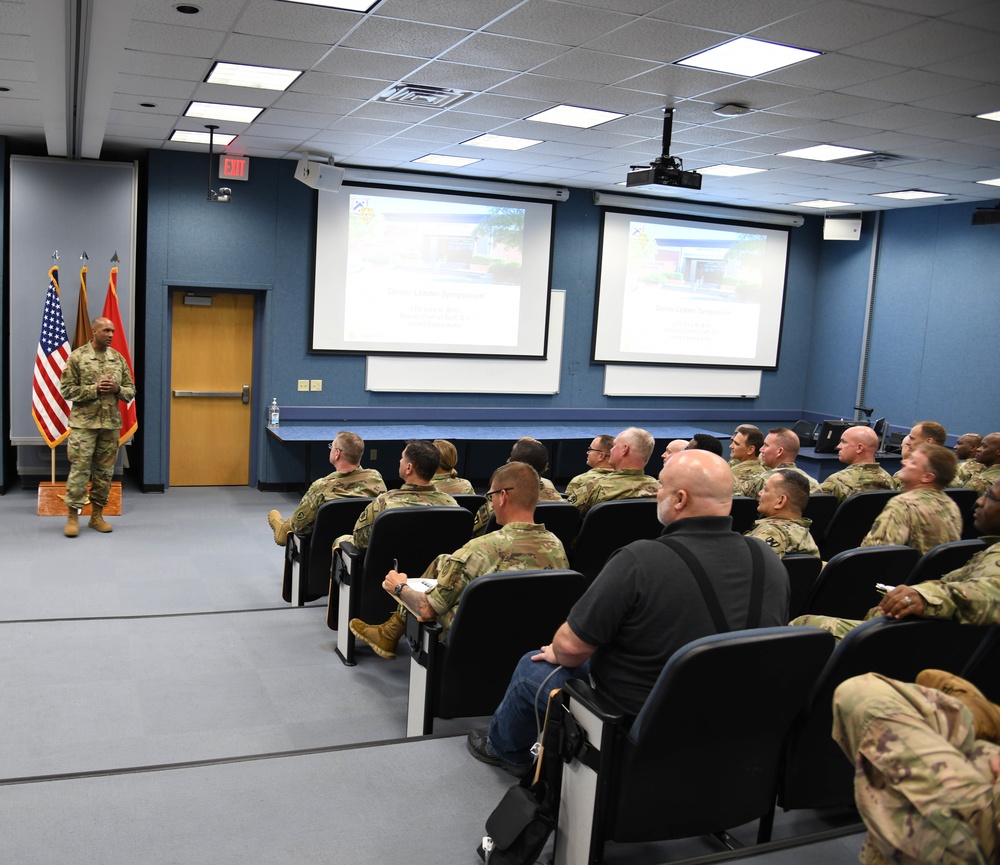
(501, 142)
(724, 170)
(450, 161)
(259, 77)
(994, 182)
(189, 137)
(990, 115)
(349, 5)
(747, 57)
(822, 204)
(218, 111)
(826, 152)
(571, 115)
(909, 194)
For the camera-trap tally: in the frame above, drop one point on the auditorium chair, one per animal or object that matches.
(846, 586)
(938, 561)
(744, 514)
(820, 510)
(611, 525)
(852, 521)
(472, 502)
(966, 501)
(803, 571)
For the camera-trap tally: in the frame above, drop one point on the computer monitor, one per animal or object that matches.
(830, 433)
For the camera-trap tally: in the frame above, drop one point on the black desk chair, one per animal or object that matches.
(803, 571)
(661, 777)
(846, 586)
(611, 525)
(407, 539)
(966, 501)
(820, 510)
(943, 558)
(853, 520)
(467, 675)
(816, 773)
(472, 502)
(744, 513)
(308, 558)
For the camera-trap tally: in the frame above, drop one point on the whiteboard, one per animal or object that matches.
(473, 374)
(634, 380)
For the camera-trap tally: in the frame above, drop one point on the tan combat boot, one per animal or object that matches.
(382, 638)
(279, 526)
(985, 713)
(72, 522)
(97, 519)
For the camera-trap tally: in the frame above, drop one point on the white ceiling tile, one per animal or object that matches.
(833, 72)
(909, 86)
(404, 37)
(163, 65)
(973, 101)
(594, 66)
(925, 43)
(174, 39)
(339, 85)
(831, 106)
(470, 14)
(976, 66)
(296, 21)
(836, 24)
(460, 76)
(276, 53)
(557, 23)
(217, 15)
(724, 15)
(661, 41)
(368, 64)
(148, 86)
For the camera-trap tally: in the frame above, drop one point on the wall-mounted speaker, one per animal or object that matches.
(319, 175)
(842, 226)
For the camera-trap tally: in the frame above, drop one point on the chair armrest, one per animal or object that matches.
(593, 702)
(351, 557)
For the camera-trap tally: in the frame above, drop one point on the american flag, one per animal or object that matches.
(48, 408)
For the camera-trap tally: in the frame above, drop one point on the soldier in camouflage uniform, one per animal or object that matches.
(744, 450)
(597, 463)
(629, 455)
(446, 478)
(924, 780)
(521, 544)
(347, 482)
(987, 455)
(922, 516)
(96, 377)
(416, 468)
(969, 595)
(783, 528)
(532, 452)
(781, 447)
(965, 449)
(857, 448)
(923, 432)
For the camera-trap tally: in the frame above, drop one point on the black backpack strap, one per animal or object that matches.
(701, 578)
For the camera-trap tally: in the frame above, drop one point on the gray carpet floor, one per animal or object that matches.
(161, 704)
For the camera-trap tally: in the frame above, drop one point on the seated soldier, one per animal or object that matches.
(857, 448)
(673, 447)
(521, 544)
(783, 528)
(629, 455)
(965, 450)
(781, 447)
(922, 516)
(744, 453)
(446, 478)
(532, 452)
(348, 480)
(705, 442)
(597, 462)
(417, 465)
(924, 432)
(988, 454)
(970, 594)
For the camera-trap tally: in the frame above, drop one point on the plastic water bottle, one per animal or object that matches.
(273, 413)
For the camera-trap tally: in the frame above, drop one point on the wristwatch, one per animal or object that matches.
(397, 590)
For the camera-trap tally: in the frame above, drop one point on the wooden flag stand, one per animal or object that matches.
(52, 497)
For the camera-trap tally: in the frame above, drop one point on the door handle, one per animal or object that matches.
(244, 394)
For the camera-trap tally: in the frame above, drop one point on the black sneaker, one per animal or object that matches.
(479, 747)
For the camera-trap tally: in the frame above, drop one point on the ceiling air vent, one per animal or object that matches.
(876, 160)
(423, 95)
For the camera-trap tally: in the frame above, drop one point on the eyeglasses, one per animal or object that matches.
(595, 451)
(988, 494)
(330, 447)
(489, 496)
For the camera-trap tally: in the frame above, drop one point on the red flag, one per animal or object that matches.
(120, 344)
(82, 332)
(48, 408)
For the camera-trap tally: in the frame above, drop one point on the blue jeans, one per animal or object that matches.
(514, 727)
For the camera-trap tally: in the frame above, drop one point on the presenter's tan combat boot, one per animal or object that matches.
(72, 523)
(985, 713)
(382, 638)
(279, 526)
(97, 519)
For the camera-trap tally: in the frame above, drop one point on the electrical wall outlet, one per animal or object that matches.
(316, 384)
(303, 384)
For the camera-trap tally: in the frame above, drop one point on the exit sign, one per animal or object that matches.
(234, 167)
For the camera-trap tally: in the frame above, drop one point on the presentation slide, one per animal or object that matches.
(692, 293)
(401, 272)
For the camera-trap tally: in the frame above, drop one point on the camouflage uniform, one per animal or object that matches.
(514, 547)
(922, 780)
(616, 484)
(581, 479)
(408, 495)
(857, 478)
(920, 518)
(357, 484)
(448, 483)
(785, 536)
(753, 485)
(984, 480)
(545, 494)
(969, 595)
(94, 421)
(967, 469)
(743, 472)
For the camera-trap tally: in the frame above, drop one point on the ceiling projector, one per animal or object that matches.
(665, 170)
(986, 216)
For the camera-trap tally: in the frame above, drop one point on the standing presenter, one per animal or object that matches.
(95, 378)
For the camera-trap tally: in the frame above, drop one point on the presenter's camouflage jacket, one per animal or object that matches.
(85, 367)
(785, 536)
(358, 484)
(617, 484)
(920, 518)
(857, 478)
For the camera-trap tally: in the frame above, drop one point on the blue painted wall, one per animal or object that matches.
(6, 451)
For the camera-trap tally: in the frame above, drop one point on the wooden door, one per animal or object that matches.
(211, 353)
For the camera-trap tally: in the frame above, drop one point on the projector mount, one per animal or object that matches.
(665, 170)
